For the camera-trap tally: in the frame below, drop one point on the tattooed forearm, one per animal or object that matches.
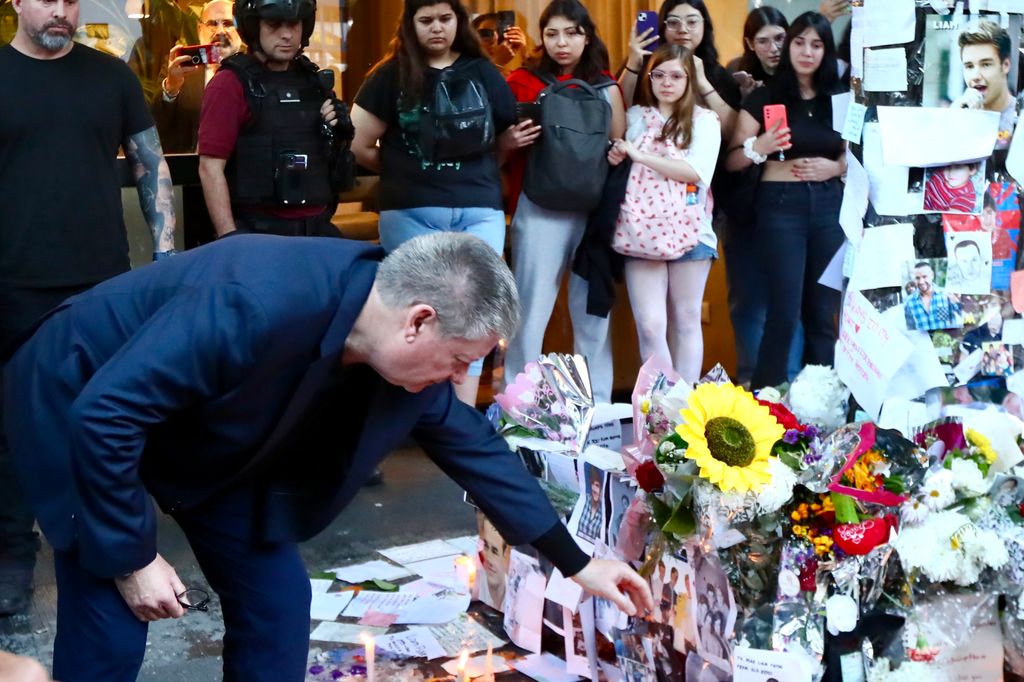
(153, 181)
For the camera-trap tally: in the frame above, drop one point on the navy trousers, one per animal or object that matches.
(264, 594)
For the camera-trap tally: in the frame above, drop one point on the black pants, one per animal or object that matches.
(19, 309)
(798, 233)
(315, 226)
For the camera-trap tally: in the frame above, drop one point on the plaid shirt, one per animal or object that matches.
(590, 521)
(944, 313)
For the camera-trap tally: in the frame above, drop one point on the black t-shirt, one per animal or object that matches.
(61, 125)
(406, 180)
(810, 123)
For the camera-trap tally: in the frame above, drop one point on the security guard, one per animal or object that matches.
(273, 138)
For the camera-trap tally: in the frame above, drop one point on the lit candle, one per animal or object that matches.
(489, 664)
(371, 674)
(465, 570)
(461, 673)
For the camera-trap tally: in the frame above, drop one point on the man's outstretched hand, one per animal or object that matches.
(618, 583)
(151, 592)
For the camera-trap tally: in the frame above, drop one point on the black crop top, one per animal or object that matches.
(810, 124)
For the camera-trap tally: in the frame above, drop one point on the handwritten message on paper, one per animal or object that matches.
(869, 352)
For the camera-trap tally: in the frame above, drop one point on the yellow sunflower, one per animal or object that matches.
(730, 436)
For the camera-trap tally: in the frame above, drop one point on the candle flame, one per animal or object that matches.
(366, 639)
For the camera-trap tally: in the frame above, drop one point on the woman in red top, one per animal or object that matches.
(544, 240)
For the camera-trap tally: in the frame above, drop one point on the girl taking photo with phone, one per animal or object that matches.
(420, 190)
(544, 239)
(798, 198)
(664, 227)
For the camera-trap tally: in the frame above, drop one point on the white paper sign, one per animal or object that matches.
(888, 184)
(857, 42)
(544, 667)
(869, 351)
(758, 665)
(840, 105)
(855, 199)
(853, 126)
(348, 633)
(882, 252)
(328, 606)
(413, 643)
(885, 70)
(933, 136)
(888, 22)
(371, 570)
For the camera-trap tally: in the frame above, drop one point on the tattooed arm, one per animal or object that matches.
(153, 181)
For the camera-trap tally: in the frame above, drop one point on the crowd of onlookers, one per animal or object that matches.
(690, 160)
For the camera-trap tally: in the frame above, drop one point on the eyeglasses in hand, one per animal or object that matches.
(194, 599)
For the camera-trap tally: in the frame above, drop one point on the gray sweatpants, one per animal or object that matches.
(543, 244)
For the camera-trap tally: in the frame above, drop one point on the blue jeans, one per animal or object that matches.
(797, 235)
(748, 300)
(400, 225)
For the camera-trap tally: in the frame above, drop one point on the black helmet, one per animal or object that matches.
(249, 12)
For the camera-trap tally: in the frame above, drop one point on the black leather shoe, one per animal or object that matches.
(15, 587)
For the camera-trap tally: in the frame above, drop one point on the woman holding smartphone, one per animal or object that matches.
(419, 196)
(543, 239)
(799, 195)
(687, 24)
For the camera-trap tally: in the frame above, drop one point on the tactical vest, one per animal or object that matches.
(281, 156)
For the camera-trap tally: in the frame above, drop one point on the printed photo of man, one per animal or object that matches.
(928, 306)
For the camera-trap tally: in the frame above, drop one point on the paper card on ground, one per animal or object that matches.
(833, 275)
(544, 667)
(888, 22)
(420, 551)
(384, 602)
(371, 570)
(319, 585)
(477, 666)
(377, 619)
(328, 606)
(524, 601)
(869, 351)
(886, 249)
(434, 610)
(903, 415)
(758, 665)
(888, 185)
(421, 588)
(464, 633)
(855, 199)
(885, 69)
(441, 566)
(919, 136)
(347, 633)
(603, 458)
(467, 544)
(413, 643)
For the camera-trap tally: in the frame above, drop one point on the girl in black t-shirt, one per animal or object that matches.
(764, 34)
(418, 195)
(687, 24)
(798, 198)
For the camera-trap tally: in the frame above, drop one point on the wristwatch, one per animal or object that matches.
(751, 153)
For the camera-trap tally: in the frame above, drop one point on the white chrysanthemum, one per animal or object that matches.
(914, 512)
(947, 547)
(770, 394)
(967, 478)
(938, 490)
(779, 490)
(841, 614)
(818, 397)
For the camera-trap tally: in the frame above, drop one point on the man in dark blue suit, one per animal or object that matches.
(250, 387)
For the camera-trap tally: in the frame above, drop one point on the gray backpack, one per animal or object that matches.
(568, 165)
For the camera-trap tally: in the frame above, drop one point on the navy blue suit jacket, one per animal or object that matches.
(186, 376)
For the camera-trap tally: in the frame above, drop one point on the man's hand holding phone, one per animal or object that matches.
(185, 59)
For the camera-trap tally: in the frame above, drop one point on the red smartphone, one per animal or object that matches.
(774, 113)
(645, 20)
(201, 54)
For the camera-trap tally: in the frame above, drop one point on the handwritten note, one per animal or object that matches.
(383, 602)
(853, 126)
(888, 22)
(329, 605)
(348, 633)
(885, 70)
(413, 643)
(757, 665)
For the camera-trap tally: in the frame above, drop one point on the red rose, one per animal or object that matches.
(783, 415)
(649, 476)
(860, 538)
(807, 575)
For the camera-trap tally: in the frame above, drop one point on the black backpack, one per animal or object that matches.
(457, 123)
(568, 165)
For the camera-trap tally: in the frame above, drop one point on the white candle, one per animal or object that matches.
(489, 664)
(371, 674)
(462, 673)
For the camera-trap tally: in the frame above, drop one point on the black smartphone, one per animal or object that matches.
(201, 54)
(528, 110)
(506, 20)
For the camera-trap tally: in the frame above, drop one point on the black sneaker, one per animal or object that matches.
(15, 587)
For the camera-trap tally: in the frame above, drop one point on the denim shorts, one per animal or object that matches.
(400, 225)
(700, 252)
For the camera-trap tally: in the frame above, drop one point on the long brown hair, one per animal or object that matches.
(594, 60)
(679, 126)
(406, 50)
